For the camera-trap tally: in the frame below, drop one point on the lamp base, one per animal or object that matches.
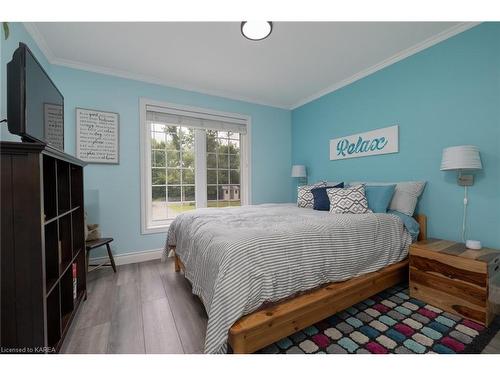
(302, 181)
(473, 245)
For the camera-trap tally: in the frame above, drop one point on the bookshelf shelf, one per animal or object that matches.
(43, 271)
(61, 215)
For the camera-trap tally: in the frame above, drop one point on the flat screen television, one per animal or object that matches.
(35, 107)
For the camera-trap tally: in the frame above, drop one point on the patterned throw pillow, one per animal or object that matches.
(351, 200)
(321, 201)
(305, 198)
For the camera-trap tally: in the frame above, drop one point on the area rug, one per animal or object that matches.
(389, 322)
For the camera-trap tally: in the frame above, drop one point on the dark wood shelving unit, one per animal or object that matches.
(43, 246)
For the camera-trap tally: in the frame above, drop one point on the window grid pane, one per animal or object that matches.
(172, 171)
(223, 169)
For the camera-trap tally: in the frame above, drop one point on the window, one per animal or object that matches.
(223, 168)
(190, 158)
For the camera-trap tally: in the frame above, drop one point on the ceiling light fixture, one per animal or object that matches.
(256, 30)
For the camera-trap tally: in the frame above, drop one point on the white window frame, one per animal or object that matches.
(147, 227)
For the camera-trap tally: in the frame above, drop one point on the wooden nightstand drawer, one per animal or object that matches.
(449, 276)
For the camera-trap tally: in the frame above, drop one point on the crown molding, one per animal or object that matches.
(159, 81)
(452, 31)
(39, 40)
(42, 44)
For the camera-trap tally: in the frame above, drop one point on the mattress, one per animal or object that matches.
(237, 259)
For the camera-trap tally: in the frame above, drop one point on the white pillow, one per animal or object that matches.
(351, 200)
(405, 196)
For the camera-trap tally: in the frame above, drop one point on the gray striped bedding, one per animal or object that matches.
(238, 258)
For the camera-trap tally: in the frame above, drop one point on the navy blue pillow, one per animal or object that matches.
(321, 201)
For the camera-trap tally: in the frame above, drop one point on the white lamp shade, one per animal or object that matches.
(299, 171)
(461, 157)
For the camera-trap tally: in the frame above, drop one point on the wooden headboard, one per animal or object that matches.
(422, 221)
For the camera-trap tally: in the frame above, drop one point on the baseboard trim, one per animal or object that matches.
(129, 258)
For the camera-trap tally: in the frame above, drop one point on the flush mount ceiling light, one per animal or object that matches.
(256, 30)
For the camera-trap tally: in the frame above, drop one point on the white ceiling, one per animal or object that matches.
(299, 62)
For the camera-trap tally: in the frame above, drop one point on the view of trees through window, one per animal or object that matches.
(172, 170)
(223, 168)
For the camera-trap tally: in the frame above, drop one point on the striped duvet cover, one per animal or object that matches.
(238, 258)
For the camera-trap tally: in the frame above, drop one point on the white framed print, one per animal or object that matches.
(375, 142)
(53, 123)
(97, 136)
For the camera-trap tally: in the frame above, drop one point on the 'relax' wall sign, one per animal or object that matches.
(375, 142)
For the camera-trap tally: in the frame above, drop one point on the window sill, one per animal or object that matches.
(155, 229)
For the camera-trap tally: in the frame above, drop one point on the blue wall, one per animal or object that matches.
(113, 192)
(118, 187)
(446, 95)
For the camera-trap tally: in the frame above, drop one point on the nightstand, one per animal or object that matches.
(447, 275)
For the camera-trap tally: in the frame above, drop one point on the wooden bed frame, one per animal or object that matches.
(272, 323)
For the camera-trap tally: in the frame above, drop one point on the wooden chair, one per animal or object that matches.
(94, 244)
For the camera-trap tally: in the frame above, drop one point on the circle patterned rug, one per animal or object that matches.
(389, 322)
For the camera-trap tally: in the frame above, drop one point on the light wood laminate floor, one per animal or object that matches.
(145, 308)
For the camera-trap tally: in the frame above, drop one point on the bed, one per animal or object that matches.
(263, 272)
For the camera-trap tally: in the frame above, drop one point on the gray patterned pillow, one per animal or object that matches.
(305, 198)
(351, 200)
